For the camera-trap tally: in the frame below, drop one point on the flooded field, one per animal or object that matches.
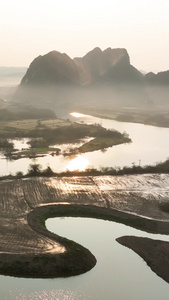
(138, 195)
(123, 269)
(126, 275)
(133, 195)
(149, 145)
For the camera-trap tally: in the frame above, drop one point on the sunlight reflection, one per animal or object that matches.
(44, 295)
(79, 163)
(76, 115)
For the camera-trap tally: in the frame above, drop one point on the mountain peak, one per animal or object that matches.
(51, 68)
(59, 73)
(97, 62)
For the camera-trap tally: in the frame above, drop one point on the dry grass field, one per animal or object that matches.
(32, 124)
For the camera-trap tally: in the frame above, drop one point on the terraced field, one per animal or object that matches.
(26, 203)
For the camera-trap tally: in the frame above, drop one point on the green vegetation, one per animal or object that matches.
(37, 151)
(44, 133)
(102, 143)
(5, 145)
(75, 261)
(30, 127)
(25, 112)
(38, 143)
(92, 212)
(36, 170)
(55, 130)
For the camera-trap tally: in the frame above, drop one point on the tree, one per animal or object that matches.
(34, 170)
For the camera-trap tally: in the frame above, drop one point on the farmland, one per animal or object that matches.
(26, 204)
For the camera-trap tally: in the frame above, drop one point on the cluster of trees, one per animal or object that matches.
(74, 132)
(5, 145)
(36, 170)
(26, 113)
(62, 134)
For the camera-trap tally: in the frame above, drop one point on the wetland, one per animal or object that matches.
(126, 199)
(139, 201)
(154, 139)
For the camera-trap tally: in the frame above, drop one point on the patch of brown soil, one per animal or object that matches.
(26, 246)
(154, 252)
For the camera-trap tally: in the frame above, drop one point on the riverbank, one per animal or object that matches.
(155, 116)
(44, 133)
(61, 257)
(35, 170)
(103, 144)
(26, 204)
(73, 259)
(154, 252)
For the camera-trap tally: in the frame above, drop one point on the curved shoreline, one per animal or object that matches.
(37, 217)
(26, 204)
(76, 259)
(154, 252)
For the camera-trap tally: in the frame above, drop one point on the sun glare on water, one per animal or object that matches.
(76, 115)
(77, 164)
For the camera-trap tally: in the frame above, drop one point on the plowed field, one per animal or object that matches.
(123, 196)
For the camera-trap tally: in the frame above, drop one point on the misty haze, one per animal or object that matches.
(84, 139)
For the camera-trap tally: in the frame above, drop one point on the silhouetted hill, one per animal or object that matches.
(161, 78)
(98, 78)
(56, 68)
(157, 86)
(52, 68)
(108, 66)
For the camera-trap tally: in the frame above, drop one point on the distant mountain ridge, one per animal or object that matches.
(99, 75)
(97, 63)
(59, 68)
(161, 78)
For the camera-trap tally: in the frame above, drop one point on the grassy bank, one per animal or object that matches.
(154, 116)
(35, 152)
(44, 133)
(102, 143)
(41, 214)
(36, 170)
(76, 259)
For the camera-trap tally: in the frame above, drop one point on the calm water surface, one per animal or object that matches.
(119, 274)
(149, 145)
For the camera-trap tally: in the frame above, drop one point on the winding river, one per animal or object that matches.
(149, 145)
(120, 273)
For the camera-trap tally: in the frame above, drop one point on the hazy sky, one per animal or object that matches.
(29, 28)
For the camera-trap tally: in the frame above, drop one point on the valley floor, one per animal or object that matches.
(157, 115)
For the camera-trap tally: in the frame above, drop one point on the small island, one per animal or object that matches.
(26, 204)
(45, 135)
